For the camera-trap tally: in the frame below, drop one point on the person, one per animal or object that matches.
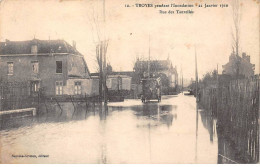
(142, 98)
(199, 95)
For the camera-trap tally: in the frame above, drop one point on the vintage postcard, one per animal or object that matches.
(129, 81)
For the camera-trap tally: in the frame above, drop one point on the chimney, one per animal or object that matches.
(243, 55)
(74, 44)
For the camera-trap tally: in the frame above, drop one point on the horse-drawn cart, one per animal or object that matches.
(151, 88)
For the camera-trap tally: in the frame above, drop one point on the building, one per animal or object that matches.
(239, 66)
(162, 68)
(118, 84)
(52, 66)
(116, 80)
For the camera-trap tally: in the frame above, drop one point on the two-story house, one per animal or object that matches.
(239, 67)
(52, 65)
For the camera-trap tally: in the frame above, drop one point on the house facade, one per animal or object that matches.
(118, 82)
(54, 66)
(239, 66)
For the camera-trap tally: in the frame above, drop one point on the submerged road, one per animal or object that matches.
(123, 132)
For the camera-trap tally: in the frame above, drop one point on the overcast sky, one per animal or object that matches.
(128, 30)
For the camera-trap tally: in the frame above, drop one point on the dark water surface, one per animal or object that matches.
(123, 132)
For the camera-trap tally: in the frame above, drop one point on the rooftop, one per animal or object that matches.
(43, 46)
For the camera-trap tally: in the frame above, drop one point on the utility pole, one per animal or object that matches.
(217, 91)
(182, 82)
(197, 112)
(196, 74)
(149, 59)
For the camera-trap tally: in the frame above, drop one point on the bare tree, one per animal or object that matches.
(236, 11)
(101, 49)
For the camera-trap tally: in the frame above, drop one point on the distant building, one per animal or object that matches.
(118, 84)
(117, 80)
(162, 68)
(239, 66)
(52, 65)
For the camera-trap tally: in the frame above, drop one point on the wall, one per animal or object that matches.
(126, 83)
(77, 66)
(48, 75)
(95, 87)
(47, 70)
(112, 83)
(86, 87)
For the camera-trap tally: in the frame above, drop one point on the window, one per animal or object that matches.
(34, 49)
(10, 66)
(119, 83)
(59, 87)
(35, 85)
(77, 88)
(59, 67)
(109, 83)
(35, 67)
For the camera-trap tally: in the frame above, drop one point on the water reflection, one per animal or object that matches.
(228, 152)
(103, 111)
(51, 112)
(48, 113)
(209, 123)
(163, 114)
(129, 132)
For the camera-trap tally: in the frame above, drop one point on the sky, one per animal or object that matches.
(128, 30)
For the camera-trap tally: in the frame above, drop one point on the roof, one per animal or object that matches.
(44, 46)
(116, 74)
(128, 73)
(149, 79)
(154, 64)
(96, 74)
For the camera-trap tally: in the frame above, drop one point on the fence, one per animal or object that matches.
(17, 95)
(235, 104)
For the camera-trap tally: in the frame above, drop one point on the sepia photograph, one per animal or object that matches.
(129, 81)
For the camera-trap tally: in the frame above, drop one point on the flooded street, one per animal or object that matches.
(122, 132)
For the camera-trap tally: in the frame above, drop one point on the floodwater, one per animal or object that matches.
(122, 132)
